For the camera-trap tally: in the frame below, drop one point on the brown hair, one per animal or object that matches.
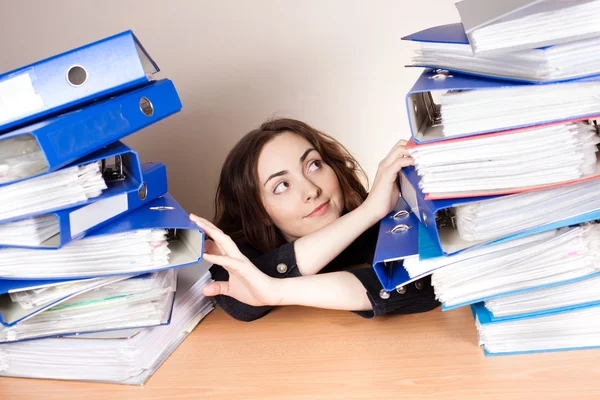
(239, 211)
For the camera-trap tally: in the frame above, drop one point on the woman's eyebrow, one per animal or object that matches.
(275, 175)
(280, 173)
(306, 153)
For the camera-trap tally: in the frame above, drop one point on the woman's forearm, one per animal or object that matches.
(335, 290)
(316, 250)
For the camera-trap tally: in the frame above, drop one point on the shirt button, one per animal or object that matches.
(281, 268)
(419, 285)
(383, 294)
(401, 290)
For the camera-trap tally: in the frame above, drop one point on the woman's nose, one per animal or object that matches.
(311, 191)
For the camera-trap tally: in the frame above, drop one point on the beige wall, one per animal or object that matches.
(336, 64)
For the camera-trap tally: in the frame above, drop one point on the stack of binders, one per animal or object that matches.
(100, 268)
(501, 207)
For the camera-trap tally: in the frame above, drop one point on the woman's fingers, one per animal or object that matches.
(398, 151)
(216, 288)
(400, 145)
(400, 142)
(211, 247)
(401, 163)
(232, 265)
(205, 224)
(218, 236)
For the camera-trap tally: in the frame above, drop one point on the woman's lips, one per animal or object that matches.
(320, 210)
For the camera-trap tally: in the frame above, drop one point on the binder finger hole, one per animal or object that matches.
(143, 191)
(146, 106)
(77, 75)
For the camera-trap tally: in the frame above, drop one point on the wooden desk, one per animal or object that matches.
(301, 353)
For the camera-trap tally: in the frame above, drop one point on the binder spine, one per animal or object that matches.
(76, 77)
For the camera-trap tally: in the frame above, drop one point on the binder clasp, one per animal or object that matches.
(445, 218)
(172, 235)
(434, 113)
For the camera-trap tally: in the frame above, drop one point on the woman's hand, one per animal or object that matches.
(384, 193)
(246, 282)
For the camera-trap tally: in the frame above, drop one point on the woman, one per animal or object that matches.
(290, 204)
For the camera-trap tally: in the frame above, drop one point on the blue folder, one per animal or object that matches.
(13, 285)
(71, 136)
(481, 314)
(96, 70)
(454, 34)
(493, 318)
(445, 239)
(12, 313)
(476, 14)
(448, 33)
(398, 239)
(187, 245)
(512, 292)
(122, 171)
(75, 223)
(425, 121)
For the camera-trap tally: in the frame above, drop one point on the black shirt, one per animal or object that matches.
(281, 263)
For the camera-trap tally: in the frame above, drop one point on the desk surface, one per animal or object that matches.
(303, 353)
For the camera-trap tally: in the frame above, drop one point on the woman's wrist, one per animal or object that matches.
(316, 250)
(371, 213)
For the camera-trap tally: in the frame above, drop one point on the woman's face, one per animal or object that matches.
(299, 191)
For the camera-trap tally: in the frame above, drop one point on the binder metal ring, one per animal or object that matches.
(401, 213)
(162, 208)
(77, 75)
(399, 228)
(441, 74)
(146, 107)
(433, 110)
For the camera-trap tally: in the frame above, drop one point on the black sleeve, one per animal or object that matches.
(415, 297)
(278, 263)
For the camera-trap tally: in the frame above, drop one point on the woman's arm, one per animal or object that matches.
(334, 290)
(314, 251)
(249, 285)
(249, 293)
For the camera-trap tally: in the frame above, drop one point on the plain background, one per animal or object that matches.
(336, 64)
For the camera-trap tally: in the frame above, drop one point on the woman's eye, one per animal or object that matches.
(280, 188)
(315, 165)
